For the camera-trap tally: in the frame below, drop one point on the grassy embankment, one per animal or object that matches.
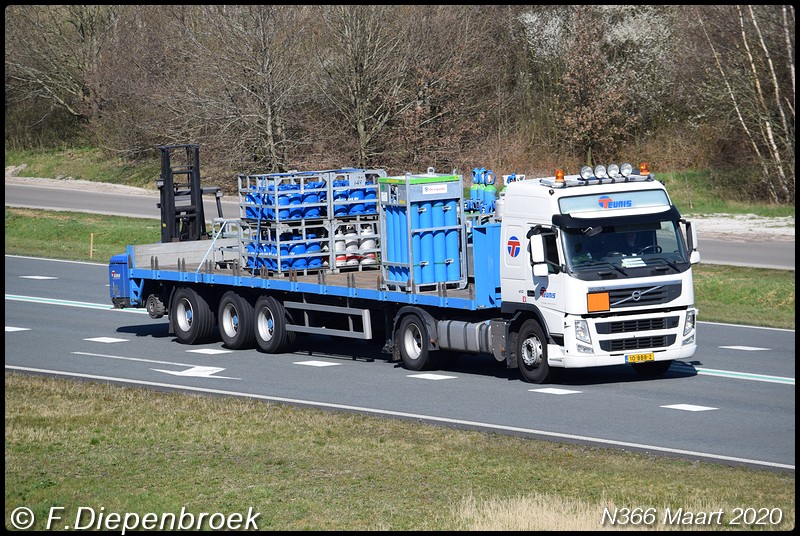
(131, 450)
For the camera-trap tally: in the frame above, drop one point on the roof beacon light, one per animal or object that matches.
(644, 168)
(626, 169)
(586, 172)
(613, 171)
(560, 176)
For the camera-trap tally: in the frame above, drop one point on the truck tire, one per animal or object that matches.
(236, 324)
(191, 316)
(653, 368)
(531, 348)
(412, 336)
(270, 325)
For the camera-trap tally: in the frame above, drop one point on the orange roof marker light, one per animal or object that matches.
(560, 175)
(644, 168)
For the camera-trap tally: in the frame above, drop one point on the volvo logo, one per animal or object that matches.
(636, 295)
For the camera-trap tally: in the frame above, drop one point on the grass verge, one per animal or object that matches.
(130, 450)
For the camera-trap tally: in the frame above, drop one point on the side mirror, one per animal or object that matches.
(536, 244)
(691, 231)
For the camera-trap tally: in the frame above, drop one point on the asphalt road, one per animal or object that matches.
(764, 253)
(732, 403)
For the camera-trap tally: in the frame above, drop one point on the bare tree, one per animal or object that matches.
(55, 51)
(760, 90)
(362, 58)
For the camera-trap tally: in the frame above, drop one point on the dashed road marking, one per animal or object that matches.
(554, 391)
(106, 340)
(429, 376)
(689, 407)
(316, 363)
(210, 351)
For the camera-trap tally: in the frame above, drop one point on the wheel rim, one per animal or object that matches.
(230, 320)
(531, 352)
(412, 340)
(184, 316)
(265, 325)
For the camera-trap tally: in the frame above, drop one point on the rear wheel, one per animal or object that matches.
(192, 317)
(236, 325)
(270, 325)
(531, 348)
(412, 336)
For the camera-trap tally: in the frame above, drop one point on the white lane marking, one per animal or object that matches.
(739, 375)
(745, 348)
(554, 391)
(689, 407)
(11, 328)
(429, 376)
(415, 416)
(316, 363)
(135, 359)
(42, 277)
(198, 372)
(210, 351)
(70, 303)
(106, 340)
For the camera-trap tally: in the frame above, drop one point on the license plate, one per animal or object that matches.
(639, 358)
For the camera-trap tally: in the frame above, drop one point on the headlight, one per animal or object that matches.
(582, 331)
(691, 316)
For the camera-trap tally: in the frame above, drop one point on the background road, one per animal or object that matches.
(766, 251)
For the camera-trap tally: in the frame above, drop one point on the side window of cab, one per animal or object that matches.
(551, 253)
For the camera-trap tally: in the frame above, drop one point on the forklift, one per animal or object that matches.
(182, 214)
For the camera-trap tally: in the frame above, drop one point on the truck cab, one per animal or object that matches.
(602, 261)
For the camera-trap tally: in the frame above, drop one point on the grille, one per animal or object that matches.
(622, 345)
(633, 326)
(650, 295)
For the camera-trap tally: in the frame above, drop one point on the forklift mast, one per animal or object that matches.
(182, 214)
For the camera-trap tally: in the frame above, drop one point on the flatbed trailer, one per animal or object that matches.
(540, 287)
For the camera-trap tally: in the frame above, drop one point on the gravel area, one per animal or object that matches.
(741, 227)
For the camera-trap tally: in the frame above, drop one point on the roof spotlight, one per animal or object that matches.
(600, 172)
(626, 169)
(586, 172)
(613, 171)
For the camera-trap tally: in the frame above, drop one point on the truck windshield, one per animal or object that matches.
(624, 248)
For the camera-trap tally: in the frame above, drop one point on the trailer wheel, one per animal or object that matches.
(192, 316)
(653, 368)
(531, 348)
(236, 325)
(412, 336)
(270, 325)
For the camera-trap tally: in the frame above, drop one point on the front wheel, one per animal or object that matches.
(531, 348)
(191, 316)
(236, 325)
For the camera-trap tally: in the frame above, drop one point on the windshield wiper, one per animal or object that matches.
(670, 263)
(601, 263)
